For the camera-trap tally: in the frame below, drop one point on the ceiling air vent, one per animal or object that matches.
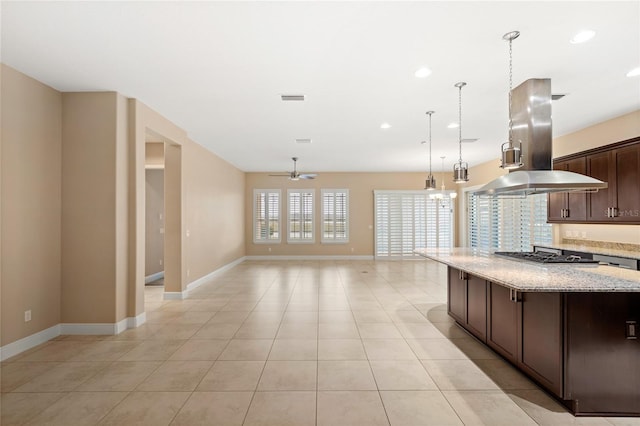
(558, 96)
(303, 140)
(292, 97)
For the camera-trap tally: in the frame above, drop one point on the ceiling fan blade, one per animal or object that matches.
(284, 175)
(308, 176)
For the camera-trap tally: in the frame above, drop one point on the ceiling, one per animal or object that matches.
(217, 69)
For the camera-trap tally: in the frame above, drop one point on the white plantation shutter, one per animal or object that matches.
(407, 220)
(301, 217)
(335, 216)
(508, 224)
(266, 216)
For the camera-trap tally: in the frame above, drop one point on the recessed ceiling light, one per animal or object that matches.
(634, 72)
(303, 141)
(423, 72)
(385, 125)
(452, 126)
(582, 36)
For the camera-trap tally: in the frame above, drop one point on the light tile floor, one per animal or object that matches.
(284, 343)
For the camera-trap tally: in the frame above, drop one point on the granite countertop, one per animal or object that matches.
(630, 254)
(530, 276)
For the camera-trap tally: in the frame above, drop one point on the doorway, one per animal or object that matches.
(154, 214)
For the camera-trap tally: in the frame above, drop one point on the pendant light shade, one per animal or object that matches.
(443, 191)
(511, 157)
(461, 168)
(430, 183)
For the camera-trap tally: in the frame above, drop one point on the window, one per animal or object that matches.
(266, 214)
(301, 222)
(508, 224)
(407, 220)
(335, 216)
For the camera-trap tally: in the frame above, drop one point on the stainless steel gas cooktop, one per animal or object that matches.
(545, 257)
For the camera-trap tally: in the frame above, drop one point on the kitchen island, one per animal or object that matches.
(572, 328)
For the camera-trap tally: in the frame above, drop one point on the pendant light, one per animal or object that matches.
(443, 191)
(430, 183)
(511, 154)
(460, 169)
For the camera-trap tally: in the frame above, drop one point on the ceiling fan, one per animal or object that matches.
(295, 174)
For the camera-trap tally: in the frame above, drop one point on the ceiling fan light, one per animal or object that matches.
(461, 172)
(511, 156)
(453, 195)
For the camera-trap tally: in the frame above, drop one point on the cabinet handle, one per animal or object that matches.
(462, 275)
(566, 212)
(562, 213)
(614, 212)
(608, 211)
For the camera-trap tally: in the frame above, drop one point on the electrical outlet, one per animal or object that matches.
(27, 315)
(584, 234)
(269, 249)
(188, 272)
(160, 262)
(351, 249)
(188, 233)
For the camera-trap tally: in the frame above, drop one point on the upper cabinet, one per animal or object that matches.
(569, 207)
(618, 165)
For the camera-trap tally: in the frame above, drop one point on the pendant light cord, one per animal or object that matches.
(510, 86)
(430, 169)
(460, 121)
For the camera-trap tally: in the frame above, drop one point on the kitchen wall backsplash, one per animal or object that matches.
(603, 244)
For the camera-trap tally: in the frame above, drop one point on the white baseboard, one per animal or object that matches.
(197, 283)
(26, 343)
(175, 295)
(90, 328)
(133, 322)
(153, 277)
(180, 295)
(309, 257)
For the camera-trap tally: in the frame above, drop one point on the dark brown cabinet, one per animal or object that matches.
(525, 328)
(502, 323)
(457, 295)
(569, 207)
(468, 301)
(603, 355)
(540, 338)
(620, 202)
(582, 347)
(617, 164)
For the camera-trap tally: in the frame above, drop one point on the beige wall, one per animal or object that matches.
(89, 231)
(361, 213)
(31, 210)
(154, 226)
(214, 206)
(154, 155)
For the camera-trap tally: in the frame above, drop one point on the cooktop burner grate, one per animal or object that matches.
(545, 257)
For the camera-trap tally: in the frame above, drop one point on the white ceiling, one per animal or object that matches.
(217, 69)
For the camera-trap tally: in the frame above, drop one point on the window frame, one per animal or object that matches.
(257, 191)
(323, 239)
(312, 239)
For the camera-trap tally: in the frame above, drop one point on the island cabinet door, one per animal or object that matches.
(603, 352)
(477, 307)
(502, 321)
(540, 338)
(457, 300)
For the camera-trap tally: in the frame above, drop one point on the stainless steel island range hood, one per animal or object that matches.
(531, 103)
